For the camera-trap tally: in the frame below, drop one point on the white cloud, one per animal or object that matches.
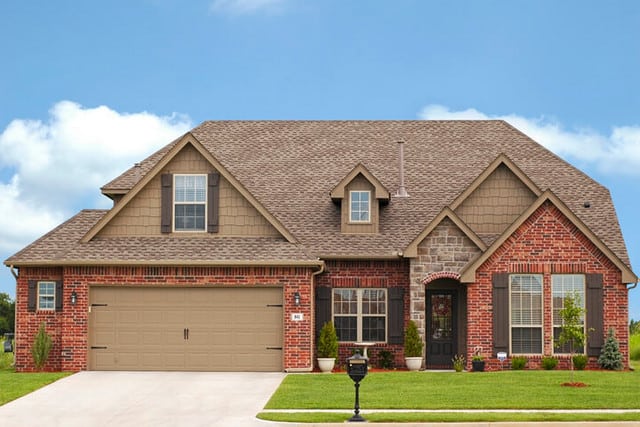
(241, 7)
(47, 168)
(617, 153)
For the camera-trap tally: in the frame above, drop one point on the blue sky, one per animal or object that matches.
(88, 88)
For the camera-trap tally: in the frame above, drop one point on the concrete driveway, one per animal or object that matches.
(146, 399)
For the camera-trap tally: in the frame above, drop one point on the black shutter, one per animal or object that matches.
(500, 304)
(594, 307)
(166, 202)
(323, 307)
(213, 202)
(396, 316)
(32, 295)
(59, 295)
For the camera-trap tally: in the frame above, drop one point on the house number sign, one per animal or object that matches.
(297, 317)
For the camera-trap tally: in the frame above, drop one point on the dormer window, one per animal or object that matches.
(360, 206)
(190, 202)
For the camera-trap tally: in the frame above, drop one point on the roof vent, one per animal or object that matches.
(402, 192)
(137, 171)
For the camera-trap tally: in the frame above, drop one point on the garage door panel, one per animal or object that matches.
(228, 329)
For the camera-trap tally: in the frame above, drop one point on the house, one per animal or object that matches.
(230, 247)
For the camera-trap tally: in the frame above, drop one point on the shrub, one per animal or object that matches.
(458, 362)
(328, 341)
(549, 363)
(41, 347)
(518, 362)
(610, 357)
(413, 344)
(580, 361)
(385, 359)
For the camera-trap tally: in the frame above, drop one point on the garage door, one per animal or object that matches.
(185, 329)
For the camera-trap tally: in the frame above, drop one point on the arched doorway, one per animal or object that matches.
(446, 328)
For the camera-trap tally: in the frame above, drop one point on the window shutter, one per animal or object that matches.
(323, 307)
(166, 202)
(500, 312)
(213, 202)
(32, 295)
(396, 316)
(59, 296)
(594, 307)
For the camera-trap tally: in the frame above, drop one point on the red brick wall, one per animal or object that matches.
(547, 243)
(368, 274)
(69, 328)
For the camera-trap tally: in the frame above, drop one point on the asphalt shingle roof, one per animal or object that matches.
(292, 166)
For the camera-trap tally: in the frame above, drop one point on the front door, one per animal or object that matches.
(441, 328)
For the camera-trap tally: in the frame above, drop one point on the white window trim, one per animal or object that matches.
(351, 220)
(359, 315)
(53, 296)
(584, 319)
(206, 203)
(541, 326)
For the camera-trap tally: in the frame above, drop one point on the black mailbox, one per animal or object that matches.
(357, 366)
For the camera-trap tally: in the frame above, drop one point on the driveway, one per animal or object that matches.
(146, 399)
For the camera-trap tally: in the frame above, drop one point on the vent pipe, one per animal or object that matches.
(402, 192)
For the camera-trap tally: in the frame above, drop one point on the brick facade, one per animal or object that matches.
(69, 327)
(546, 243)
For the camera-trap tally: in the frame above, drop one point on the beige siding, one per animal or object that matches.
(496, 203)
(141, 216)
(359, 183)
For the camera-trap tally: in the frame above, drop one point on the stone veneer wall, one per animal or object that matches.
(443, 253)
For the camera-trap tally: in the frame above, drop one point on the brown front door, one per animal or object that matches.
(441, 328)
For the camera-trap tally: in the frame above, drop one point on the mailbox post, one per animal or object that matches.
(357, 366)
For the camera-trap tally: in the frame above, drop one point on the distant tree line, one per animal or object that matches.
(7, 313)
(634, 327)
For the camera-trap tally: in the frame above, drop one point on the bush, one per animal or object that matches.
(458, 362)
(549, 363)
(328, 341)
(580, 361)
(518, 362)
(41, 347)
(385, 359)
(413, 344)
(610, 357)
(634, 347)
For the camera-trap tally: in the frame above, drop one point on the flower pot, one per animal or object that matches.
(477, 365)
(413, 363)
(326, 364)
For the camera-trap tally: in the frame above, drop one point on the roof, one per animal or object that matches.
(291, 167)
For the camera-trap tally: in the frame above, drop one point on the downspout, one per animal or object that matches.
(313, 304)
(629, 287)
(15, 316)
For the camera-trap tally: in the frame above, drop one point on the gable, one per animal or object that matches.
(141, 215)
(496, 202)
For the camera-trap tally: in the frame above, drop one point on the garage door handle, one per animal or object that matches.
(274, 305)
(274, 348)
(98, 347)
(185, 333)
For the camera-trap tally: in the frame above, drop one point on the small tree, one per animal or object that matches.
(41, 347)
(413, 344)
(572, 330)
(610, 357)
(328, 341)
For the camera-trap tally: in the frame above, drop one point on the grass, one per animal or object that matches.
(525, 390)
(14, 385)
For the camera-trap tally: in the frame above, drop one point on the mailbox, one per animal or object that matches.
(357, 366)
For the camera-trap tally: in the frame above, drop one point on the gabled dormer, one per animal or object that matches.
(360, 195)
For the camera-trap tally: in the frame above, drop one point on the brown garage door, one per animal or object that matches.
(185, 329)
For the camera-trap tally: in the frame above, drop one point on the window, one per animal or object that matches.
(46, 295)
(360, 315)
(526, 313)
(189, 202)
(563, 286)
(360, 209)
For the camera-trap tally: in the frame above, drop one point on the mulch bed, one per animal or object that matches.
(574, 384)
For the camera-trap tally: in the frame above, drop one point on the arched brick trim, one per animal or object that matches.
(440, 275)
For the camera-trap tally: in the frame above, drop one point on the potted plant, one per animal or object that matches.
(458, 362)
(413, 347)
(477, 361)
(327, 347)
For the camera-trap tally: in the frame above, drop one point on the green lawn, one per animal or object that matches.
(14, 385)
(441, 391)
